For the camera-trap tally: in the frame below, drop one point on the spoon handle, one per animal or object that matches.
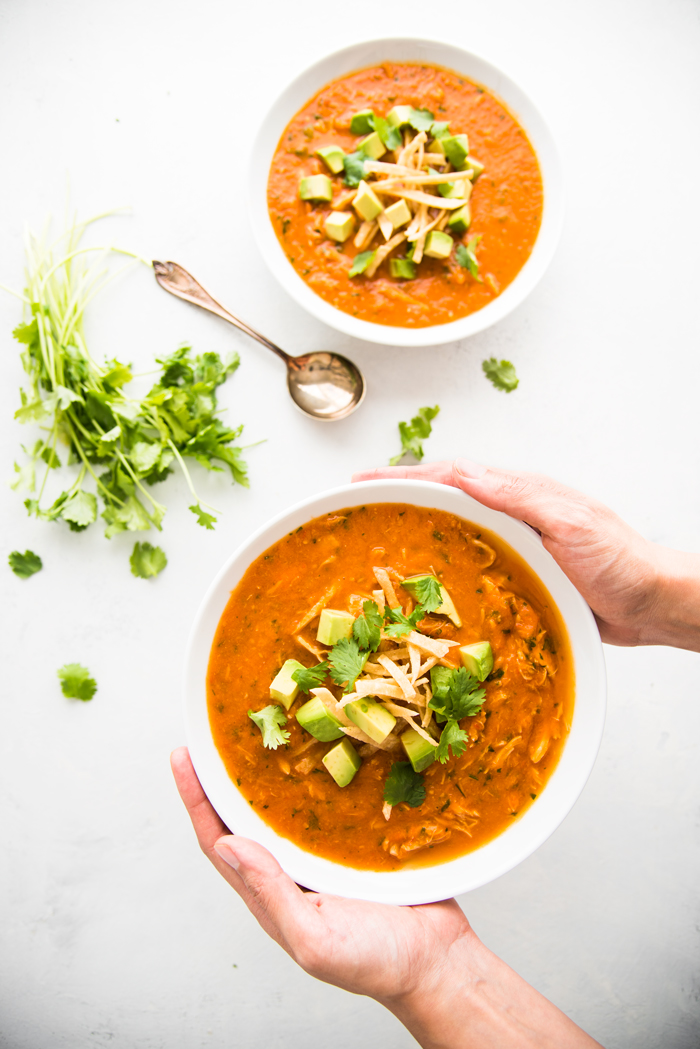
(175, 279)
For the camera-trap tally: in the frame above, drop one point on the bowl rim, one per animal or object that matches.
(436, 52)
(520, 839)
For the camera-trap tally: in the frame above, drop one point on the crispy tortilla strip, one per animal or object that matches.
(382, 577)
(375, 687)
(410, 716)
(443, 221)
(330, 703)
(381, 253)
(378, 596)
(411, 148)
(376, 669)
(429, 645)
(395, 654)
(345, 199)
(399, 676)
(432, 200)
(365, 234)
(315, 650)
(386, 810)
(427, 228)
(313, 612)
(385, 225)
(305, 766)
(427, 666)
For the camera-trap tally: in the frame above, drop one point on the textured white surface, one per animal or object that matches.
(115, 931)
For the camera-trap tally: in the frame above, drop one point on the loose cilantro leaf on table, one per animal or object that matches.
(414, 433)
(203, 518)
(122, 444)
(457, 696)
(311, 677)
(76, 682)
(367, 627)
(354, 165)
(269, 720)
(360, 263)
(501, 373)
(452, 736)
(347, 662)
(147, 561)
(403, 784)
(466, 257)
(26, 564)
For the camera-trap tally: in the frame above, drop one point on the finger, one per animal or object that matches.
(440, 472)
(281, 907)
(548, 506)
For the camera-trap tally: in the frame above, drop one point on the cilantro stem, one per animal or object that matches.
(186, 472)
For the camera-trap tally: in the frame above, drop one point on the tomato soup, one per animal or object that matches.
(511, 745)
(505, 198)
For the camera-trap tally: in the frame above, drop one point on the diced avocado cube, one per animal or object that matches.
(399, 116)
(371, 717)
(440, 678)
(456, 149)
(418, 751)
(366, 203)
(399, 213)
(333, 157)
(318, 721)
(404, 269)
(333, 625)
(342, 761)
(453, 190)
(478, 659)
(316, 187)
(362, 123)
(460, 220)
(474, 166)
(438, 245)
(372, 146)
(283, 687)
(447, 607)
(339, 225)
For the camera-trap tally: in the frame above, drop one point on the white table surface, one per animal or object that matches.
(115, 930)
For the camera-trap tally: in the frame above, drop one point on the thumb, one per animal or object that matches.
(551, 508)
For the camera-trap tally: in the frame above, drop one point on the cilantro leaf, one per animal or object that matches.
(452, 736)
(76, 682)
(347, 662)
(440, 129)
(204, 519)
(427, 592)
(367, 628)
(269, 720)
(403, 784)
(360, 263)
(399, 624)
(147, 561)
(354, 166)
(421, 119)
(311, 677)
(80, 510)
(414, 433)
(455, 696)
(466, 257)
(26, 564)
(502, 374)
(390, 136)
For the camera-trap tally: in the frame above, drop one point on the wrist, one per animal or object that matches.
(674, 613)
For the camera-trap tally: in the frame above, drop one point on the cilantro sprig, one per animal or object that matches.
(466, 257)
(414, 433)
(347, 662)
(403, 784)
(311, 677)
(76, 682)
(456, 693)
(147, 561)
(122, 444)
(367, 628)
(452, 736)
(501, 374)
(269, 720)
(397, 625)
(26, 564)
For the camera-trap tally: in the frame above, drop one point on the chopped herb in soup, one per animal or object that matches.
(390, 683)
(405, 195)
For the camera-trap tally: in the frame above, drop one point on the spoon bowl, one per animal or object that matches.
(325, 386)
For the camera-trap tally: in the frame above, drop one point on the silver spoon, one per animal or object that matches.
(323, 385)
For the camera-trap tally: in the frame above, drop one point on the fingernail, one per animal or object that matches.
(467, 468)
(227, 854)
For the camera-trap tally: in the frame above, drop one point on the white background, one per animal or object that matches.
(115, 931)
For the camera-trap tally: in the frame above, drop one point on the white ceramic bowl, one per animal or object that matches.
(424, 884)
(373, 52)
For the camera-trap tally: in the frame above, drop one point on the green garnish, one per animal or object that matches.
(421, 119)
(26, 564)
(466, 257)
(347, 662)
(403, 784)
(354, 166)
(310, 677)
(458, 696)
(124, 444)
(501, 373)
(76, 682)
(269, 720)
(452, 736)
(399, 624)
(414, 433)
(360, 263)
(390, 136)
(367, 628)
(147, 561)
(427, 592)
(440, 129)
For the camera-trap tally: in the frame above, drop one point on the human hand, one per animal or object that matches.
(640, 593)
(424, 963)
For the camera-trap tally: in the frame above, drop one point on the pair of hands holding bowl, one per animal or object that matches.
(425, 963)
